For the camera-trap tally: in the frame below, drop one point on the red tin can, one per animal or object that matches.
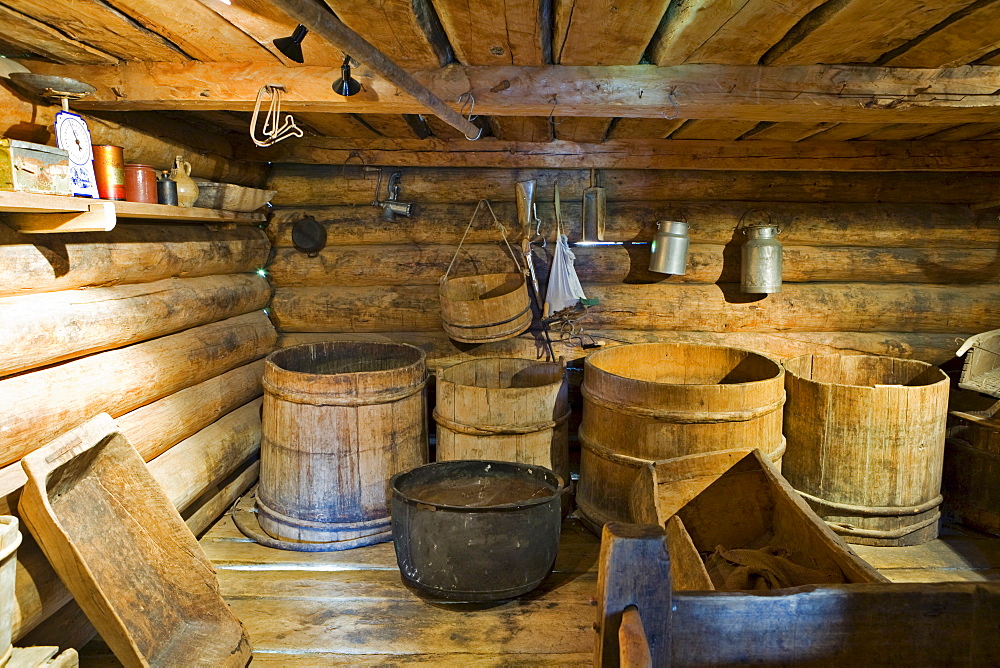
(140, 183)
(109, 168)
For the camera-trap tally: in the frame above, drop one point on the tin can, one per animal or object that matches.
(140, 184)
(166, 190)
(109, 168)
(761, 270)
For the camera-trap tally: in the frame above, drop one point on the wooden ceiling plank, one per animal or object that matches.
(581, 130)
(904, 132)
(264, 22)
(497, 32)
(34, 36)
(197, 30)
(101, 27)
(407, 31)
(218, 119)
(726, 31)
(604, 33)
(846, 131)
(389, 125)
(840, 93)
(522, 128)
(643, 128)
(722, 130)
(788, 131)
(337, 125)
(838, 156)
(860, 31)
(441, 129)
(968, 131)
(964, 40)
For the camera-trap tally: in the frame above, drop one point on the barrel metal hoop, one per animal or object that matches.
(379, 523)
(686, 417)
(845, 529)
(315, 399)
(491, 324)
(637, 462)
(874, 511)
(498, 430)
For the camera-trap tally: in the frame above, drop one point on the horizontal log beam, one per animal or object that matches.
(55, 326)
(819, 93)
(805, 307)
(442, 352)
(316, 185)
(802, 224)
(35, 407)
(126, 254)
(707, 263)
(871, 156)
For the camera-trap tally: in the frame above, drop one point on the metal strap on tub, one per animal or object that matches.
(317, 399)
(497, 430)
(491, 324)
(845, 529)
(686, 417)
(874, 511)
(638, 462)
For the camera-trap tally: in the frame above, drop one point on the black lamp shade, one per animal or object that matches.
(291, 47)
(346, 85)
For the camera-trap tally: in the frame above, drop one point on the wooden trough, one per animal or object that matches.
(642, 620)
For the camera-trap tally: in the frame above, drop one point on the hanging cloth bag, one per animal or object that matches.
(564, 289)
(485, 307)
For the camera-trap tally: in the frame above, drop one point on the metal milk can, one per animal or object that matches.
(669, 252)
(761, 266)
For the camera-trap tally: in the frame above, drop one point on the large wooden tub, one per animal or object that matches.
(866, 444)
(340, 419)
(662, 403)
(504, 409)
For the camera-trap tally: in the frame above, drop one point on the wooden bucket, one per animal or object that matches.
(339, 419)
(658, 402)
(10, 538)
(504, 409)
(866, 444)
(486, 307)
(971, 479)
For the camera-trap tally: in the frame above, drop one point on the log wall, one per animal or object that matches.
(161, 325)
(895, 264)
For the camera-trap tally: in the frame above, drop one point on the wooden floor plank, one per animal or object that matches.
(455, 660)
(377, 627)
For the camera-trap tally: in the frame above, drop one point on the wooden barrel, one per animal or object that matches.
(971, 480)
(10, 538)
(866, 444)
(504, 409)
(651, 402)
(339, 419)
(486, 307)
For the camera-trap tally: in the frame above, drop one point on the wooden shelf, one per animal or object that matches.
(33, 213)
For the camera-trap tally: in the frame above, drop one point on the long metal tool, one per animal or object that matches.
(526, 217)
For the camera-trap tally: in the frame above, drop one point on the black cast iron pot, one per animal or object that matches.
(467, 530)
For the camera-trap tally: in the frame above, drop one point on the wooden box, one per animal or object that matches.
(33, 168)
(748, 506)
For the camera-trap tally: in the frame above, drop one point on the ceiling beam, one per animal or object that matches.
(643, 154)
(819, 93)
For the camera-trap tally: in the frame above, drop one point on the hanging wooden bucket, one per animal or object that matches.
(486, 307)
(866, 444)
(660, 402)
(339, 419)
(10, 538)
(504, 409)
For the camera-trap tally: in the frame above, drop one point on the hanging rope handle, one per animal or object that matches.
(742, 226)
(500, 228)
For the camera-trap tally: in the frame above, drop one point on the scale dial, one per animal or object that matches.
(73, 135)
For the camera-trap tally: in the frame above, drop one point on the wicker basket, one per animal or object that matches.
(981, 372)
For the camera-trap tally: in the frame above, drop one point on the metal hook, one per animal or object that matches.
(552, 112)
(467, 98)
(675, 110)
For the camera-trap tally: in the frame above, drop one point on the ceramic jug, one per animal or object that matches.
(187, 188)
